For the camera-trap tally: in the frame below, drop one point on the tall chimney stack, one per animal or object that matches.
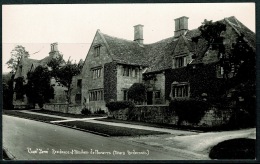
(138, 34)
(54, 50)
(181, 26)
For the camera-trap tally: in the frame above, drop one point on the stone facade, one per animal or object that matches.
(89, 82)
(125, 82)
(177, 60)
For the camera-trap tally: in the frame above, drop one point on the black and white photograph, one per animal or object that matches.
(129, 81)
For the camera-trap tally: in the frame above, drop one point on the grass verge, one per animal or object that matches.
(31, 116)
(109, 130)
(67, 114)
(172, 126)
(240, 148)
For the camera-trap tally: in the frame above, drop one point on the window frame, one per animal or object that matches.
(96, 72)
(177, 62)
(130, 71)
(180, 90)
(96, 95)
(97, 50)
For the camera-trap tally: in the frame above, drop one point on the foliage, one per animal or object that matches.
(190, 110)
(85, 111)
(55, 64)
(99, 111)
(212, 33)
(64, 72)
(117, 105)
(137, 92)
(16, 54)
(8, 91)
(38, 89)
(242, 55)
(19, 88)
(110, 81)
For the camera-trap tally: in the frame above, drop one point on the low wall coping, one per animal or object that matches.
(149, 105)
(56, 104)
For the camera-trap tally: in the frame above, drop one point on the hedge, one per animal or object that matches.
(117, 105)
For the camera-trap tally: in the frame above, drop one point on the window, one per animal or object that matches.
(157, 94)
(219, 71)
(96, 73)
(79, 83)
(180, 62)
(125, 94)
(96, 95)
(97, 50)
(130, 71)
(180, 90)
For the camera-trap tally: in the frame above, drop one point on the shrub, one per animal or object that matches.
(137, 92)
(99, 111)
(116, 105)
(190, 110)
(85, 111)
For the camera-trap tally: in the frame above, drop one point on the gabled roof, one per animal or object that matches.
(26, 65)
(158, 56)
(125, 51)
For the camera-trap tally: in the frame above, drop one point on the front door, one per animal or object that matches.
(149, 98)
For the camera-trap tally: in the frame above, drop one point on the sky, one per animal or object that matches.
(73, 26)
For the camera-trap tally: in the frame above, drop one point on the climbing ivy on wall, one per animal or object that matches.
(110, 81)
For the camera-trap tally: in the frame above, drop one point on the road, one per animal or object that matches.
(32, 140)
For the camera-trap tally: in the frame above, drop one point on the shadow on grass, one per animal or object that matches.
(240, 148)
(110, 130)
(225, 127)
(31, 116)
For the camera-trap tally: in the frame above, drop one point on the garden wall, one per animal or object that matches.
(162, 114)
(63, 108)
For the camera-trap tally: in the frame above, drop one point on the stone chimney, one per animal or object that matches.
(138, 34)
(181, 26)
(54, 47)
(54, 50)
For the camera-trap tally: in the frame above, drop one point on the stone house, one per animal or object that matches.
(26, 65)
(167, 67)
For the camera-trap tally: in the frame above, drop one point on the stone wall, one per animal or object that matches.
(63, 108)
(162, 114)
(125, 82)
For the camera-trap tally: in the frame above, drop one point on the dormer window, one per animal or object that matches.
(179, 62)
(97, 50)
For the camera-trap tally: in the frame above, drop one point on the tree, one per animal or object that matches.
(212, 33)
(8, 91)
(65, 75)
(137, 92)
(38, 88)
(16, 55)
(63, 72)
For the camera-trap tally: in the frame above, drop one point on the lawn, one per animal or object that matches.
(110, 130)
(30, 116)
(172, 126)
(67, 114)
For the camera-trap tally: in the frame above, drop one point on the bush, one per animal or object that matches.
(116, 105)
(85, 111)
(137, 92)
(190, 110)
(99, 111)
